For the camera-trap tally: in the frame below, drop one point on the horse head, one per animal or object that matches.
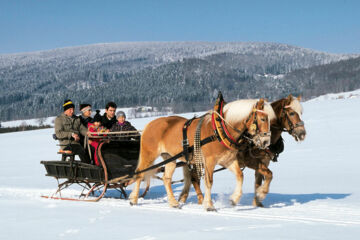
(258, 124)
(290, 117)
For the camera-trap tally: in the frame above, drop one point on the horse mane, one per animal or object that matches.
(240, 109)
(296, 106)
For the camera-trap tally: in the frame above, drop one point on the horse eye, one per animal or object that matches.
(292, 114)
(262, 119)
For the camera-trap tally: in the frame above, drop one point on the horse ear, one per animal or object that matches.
(289, 99)
(260, 104)
(299, 98)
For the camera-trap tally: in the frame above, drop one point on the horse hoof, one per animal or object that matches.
(211, 209)
(257, 203)
(233, 203)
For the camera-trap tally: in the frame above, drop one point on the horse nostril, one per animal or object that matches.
(302, 136)
(266, 143)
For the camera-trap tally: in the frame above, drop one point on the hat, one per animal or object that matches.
(120, 113)
(97, 117)
(84, 107)
(68, 104)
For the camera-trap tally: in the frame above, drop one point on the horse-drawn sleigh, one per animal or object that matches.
(223, 137)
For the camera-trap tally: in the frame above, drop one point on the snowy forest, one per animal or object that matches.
(183, 76)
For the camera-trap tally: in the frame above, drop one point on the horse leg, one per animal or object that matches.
(145, 160)
(185, 192)
(196, 184)
(262, 190)
(258, 181)
(209, 172)
(167, 178)
(235, 168)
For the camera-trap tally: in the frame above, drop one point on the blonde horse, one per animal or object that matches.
(288, 118)
(163, 137)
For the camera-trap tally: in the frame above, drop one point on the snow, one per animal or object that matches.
(314, 194)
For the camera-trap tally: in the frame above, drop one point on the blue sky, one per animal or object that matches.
(31, 25)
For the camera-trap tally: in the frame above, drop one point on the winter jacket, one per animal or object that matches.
(64, 128)
(95, 141)
(108, 123)
(126, 126)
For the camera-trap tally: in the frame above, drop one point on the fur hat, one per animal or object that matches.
(120, 113)
(68, 104)
(97, 117)
(84, 105)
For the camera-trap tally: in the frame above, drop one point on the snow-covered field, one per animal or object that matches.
(315, 192)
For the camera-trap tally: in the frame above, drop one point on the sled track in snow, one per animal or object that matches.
(333, 215)
(236, 212)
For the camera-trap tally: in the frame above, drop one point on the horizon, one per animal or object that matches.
(325, 26)
(129, 42)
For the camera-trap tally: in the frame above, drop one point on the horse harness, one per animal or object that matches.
(221, 134)
(292, 126)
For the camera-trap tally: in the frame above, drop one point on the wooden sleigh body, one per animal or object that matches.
(118, 156)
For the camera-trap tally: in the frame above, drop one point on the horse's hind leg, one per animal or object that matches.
(145, 160)
(263, 172)
(235, 168)
(167, 178)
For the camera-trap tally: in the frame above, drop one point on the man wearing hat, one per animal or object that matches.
(68, 129)
(85, 116)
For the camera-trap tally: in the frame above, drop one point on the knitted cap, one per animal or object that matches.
(84, 105)
(120, 113)
(68, 104)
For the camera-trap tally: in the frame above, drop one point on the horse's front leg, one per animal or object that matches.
(195, 180)
(190, 177)
(262, 173)
(235, 168)
(187, 182)
(209, 172)
(167, 178)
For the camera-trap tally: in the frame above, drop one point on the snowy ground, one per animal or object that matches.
(315, 192)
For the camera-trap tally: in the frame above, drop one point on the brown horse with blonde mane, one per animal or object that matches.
(249, 119)
(288, 119)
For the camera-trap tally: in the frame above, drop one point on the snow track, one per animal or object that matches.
(333, 215)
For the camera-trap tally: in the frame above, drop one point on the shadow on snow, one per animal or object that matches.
(272, 200)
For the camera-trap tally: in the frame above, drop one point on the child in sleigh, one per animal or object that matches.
(96, 127)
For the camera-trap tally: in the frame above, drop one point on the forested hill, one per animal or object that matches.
(182, 75)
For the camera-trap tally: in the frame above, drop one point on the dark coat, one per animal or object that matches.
(124, 127)
(85, 121)
(108, 123)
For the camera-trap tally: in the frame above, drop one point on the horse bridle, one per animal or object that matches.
(254, 137)
(292, 126)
